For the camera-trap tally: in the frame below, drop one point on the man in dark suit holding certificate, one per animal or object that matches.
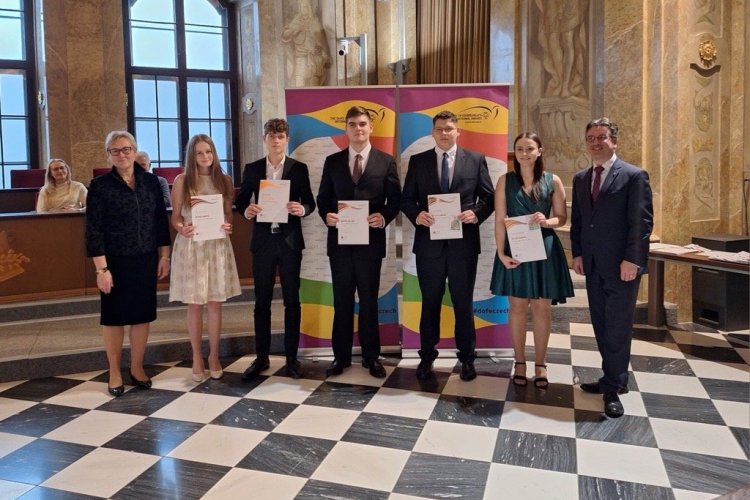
(611, 222)
(447, 168)
(276, 245)
(359, 172)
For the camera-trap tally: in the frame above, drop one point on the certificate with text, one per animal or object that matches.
(352, 227)
(445, 209)
(208, 216)
(525, 238)
(273, 196)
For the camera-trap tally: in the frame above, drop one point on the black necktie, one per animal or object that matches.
(444, 174)
(597, 183)
(357, 172)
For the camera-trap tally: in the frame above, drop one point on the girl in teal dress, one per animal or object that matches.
(529, 190)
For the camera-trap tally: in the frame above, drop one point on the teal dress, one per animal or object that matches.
(541, 279)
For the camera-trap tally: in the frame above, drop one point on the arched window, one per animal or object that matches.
(18, 121)
(180, 67)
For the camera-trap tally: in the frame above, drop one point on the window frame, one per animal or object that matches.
(182, 74)
(28, 66)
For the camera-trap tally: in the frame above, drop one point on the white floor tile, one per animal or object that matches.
(86, 395)
(284, 389)
(114, 470)
(706, 339)
(403, 403)
(559, 341)
(722, 371)
(10, 489)
(195, 407)
(656, 349)
(696, 437)
(401, 496)
(457, 440)
(671, 385)
(633, 404)
(582, 329)
(9, 407)
(692, 495)
(635, 464)
(177, 378)
(11, 442)
(735, 414)
(582, 357)
(220, 445)
(538, 419)
(481, 387)
(94, 428)
(318, 422)
(363, 466)
(255, 485)
(557, 374)
(510, 481)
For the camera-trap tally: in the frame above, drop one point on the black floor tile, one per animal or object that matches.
(466, 410)
(42, 493)
(385, 431)
(711, 474)
(230, 384)
(256, 414)
(728, 390)
(344, 396)
(584, 374)
(39, 460)
(664, 366)
(288, 455)
(40, 419)
(628, 429)
(743, 438)
(536, 451)
(40, 389)
(710, 353)
(434, 476)
(406, 379)
(141, 402)
(317, 490)
(605, 489)
(552, 395)
(154, 436)
(681, 408)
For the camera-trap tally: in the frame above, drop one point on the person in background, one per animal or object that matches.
(447, 168)
(144, 160)
(530, 190)
(60, 191)
(611, 221)
(358, 172)
(127, 237)
(203, 272)
(276, 245)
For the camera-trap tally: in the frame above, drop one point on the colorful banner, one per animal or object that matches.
(317, 129)
(482, 112)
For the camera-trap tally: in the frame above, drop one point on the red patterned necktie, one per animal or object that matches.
(597, 183)
(357, 172)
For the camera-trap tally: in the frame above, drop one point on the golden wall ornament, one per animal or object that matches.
(707, 52)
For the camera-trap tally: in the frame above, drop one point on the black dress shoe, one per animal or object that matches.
(612, 405)
(375, 367)
(424, 370)
(116, 391)
(293, 368)
(467, 371)
(337, 367)
(594, 388)
(141, 384)
(257, 366)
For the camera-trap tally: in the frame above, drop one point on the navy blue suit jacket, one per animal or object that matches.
(471, 179)
(379, 185)
(618, 226)
(299, 191)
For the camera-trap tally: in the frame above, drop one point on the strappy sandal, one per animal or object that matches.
(541, 382)
(519, 380)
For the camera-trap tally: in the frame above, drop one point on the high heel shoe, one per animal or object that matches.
(518, 379)
(216, 375)
(141, 384)
(541, 382)
(116, 391)
(198, 377)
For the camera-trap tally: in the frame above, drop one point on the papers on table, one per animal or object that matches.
(525, 239)
(445, 209)
(672, 249)
(208, 216)
(352, 226)
(738, 257)
(273, 196)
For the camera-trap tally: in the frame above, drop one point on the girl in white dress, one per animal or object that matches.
(203, 272)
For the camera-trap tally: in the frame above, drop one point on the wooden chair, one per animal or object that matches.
(28, 178)
(169, 173)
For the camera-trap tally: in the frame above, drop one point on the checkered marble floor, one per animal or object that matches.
(685, 434)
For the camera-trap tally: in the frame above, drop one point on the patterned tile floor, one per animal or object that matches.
(685, 435)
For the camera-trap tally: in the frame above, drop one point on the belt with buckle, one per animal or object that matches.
(275, 230)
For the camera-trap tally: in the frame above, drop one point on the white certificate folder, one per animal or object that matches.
(525, 238)
(352, 226)
(273, 197)
(208, 216)
(445, 209)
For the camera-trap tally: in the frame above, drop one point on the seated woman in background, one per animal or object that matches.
(60, 192)
(144, 160)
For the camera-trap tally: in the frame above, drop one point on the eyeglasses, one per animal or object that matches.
(120, 151)
(444, 130)
(600, 138)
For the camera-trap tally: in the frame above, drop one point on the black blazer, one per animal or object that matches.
(471, 178)
(618, 226)
(299, 191)
(379, 185)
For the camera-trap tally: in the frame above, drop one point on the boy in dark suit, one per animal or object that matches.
(359, 172)
(447, 168)
(276, 245)
(611, 222)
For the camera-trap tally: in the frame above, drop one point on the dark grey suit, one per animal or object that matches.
(454, 260)
(615, 228)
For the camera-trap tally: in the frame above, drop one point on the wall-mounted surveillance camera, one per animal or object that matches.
(343, 47)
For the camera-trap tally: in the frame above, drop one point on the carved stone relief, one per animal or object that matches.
(306, 48)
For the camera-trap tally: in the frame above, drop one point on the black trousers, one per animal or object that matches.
(354, 269)
(612, 307)
(461, 275)
(276, 254)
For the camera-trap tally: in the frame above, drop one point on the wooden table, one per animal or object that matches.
(656, 314)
